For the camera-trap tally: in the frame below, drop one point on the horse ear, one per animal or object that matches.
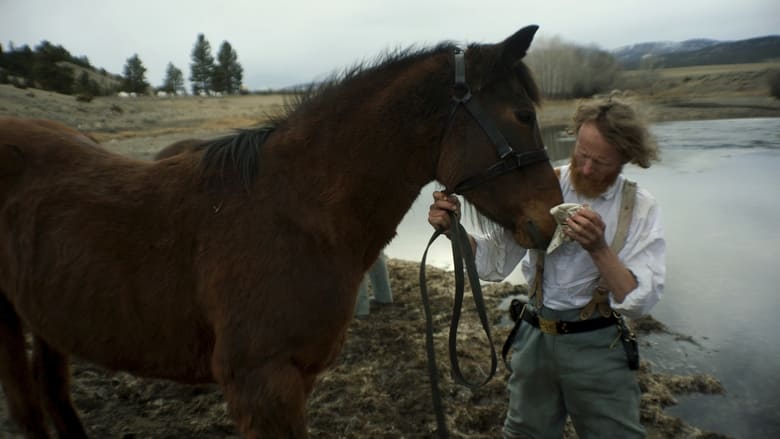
(516, 46)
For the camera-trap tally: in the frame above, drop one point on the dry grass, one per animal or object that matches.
(379, 387)
(720, 69)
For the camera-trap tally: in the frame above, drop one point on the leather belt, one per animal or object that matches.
(559, 327)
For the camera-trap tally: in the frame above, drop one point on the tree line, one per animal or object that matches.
(48, 67)
(563, 70)
(53, 68)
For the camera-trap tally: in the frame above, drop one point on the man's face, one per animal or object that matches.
(595, 164)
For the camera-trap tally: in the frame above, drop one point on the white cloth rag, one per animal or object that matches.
(561, 213)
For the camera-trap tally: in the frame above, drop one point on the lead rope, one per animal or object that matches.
(460, 253)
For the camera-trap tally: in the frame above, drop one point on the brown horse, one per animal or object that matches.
(240, 265)
(182, 146)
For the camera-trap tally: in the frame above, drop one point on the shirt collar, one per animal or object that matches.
(612, 190)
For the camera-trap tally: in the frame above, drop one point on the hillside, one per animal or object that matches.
(140, 126)
(104, 79)
(694, 82)
(698, 52)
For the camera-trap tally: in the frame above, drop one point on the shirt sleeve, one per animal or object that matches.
(644, 255)
(497, 255)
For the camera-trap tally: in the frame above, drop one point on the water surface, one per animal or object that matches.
(717, 186)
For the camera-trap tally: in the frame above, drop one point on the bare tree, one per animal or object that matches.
(566, 70)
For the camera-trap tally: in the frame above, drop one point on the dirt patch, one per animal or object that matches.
(379, 388)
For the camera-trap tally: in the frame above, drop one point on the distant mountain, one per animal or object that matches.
(699, 52)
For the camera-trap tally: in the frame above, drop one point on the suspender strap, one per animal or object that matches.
(536, 289)
(600, 299)
(627, 203)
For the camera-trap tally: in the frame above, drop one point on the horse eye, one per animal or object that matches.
(526, 117)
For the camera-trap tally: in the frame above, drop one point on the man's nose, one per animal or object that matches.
(587, 167)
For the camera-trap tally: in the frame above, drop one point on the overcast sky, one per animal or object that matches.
(287, 42)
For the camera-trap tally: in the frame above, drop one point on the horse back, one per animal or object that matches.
(85, 232)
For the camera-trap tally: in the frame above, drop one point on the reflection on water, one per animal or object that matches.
(716, 185)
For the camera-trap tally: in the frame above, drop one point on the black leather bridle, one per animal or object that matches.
(508, 158)
(508, 161)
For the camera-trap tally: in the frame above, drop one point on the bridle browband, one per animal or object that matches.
(508, 158)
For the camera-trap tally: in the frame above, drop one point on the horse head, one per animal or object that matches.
(492, 151)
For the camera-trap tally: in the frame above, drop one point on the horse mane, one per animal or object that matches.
(234, 159)
(387, 60)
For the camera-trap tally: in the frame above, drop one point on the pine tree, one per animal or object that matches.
(228, 74)
(87, 86)
(202, 66)
(134, 78)
(48, 73)
(174, 80)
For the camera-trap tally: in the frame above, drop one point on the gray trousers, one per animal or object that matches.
(380, 283)
(583, 375)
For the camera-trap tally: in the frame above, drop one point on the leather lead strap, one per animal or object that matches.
(461, 252)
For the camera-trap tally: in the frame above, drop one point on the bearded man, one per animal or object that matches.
(572, 353)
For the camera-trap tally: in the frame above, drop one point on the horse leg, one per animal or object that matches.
(267, 401)
(15, 375)
(52, 373)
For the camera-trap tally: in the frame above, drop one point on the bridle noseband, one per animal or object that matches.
(508, 158)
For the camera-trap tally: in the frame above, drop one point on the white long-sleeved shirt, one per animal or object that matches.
(570, 275)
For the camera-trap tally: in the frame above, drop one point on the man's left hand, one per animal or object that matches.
(587, 228)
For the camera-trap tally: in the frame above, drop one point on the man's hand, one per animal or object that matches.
(587, 228)
(438, 214)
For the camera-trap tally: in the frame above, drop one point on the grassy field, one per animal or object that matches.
(140, 126)
(696, 81)
(681, 72)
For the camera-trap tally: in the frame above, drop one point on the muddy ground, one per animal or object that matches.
(379, 388)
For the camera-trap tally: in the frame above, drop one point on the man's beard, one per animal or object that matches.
(591, 187)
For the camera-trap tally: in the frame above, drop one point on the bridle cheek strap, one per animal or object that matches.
(508, 158)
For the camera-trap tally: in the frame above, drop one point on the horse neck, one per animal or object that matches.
(374, 145)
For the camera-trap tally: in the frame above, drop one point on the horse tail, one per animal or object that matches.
(12, 165)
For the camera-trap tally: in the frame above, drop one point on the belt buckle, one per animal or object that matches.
(548, 326)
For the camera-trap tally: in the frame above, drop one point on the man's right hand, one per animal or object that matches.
(438, 214)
